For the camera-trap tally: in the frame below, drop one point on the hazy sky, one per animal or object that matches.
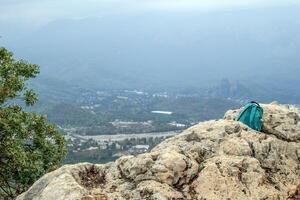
(125, 39)
(40, 12)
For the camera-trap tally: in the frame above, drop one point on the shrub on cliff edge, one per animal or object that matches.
(29, 146)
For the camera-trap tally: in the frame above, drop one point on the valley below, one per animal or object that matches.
(103, 125)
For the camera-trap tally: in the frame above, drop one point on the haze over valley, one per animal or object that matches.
(153, 68)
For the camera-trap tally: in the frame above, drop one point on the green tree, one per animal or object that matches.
(29, 146)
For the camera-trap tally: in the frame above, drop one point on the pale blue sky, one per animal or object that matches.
(40, 12)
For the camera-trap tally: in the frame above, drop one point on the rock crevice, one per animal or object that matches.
(217, 159)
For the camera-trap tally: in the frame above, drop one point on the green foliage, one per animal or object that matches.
(67, 114)
(29, 145)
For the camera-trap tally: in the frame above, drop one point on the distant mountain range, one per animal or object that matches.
(173, 50)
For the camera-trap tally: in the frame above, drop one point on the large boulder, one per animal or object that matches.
(283, 121)
(218, 159)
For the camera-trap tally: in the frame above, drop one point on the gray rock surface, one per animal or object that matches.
(218, 159)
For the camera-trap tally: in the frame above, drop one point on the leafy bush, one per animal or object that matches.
(30, 146)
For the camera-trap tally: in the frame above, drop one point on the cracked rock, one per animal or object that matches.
(221, 159)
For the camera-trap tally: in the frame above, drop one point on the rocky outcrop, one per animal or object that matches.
(218, 159)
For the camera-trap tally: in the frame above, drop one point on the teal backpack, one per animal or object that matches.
(251, 115)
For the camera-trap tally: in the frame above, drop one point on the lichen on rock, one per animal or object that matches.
(217, 159)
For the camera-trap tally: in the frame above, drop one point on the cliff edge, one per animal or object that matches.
(217, 159)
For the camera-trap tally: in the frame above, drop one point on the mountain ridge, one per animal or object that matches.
(161, 49)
